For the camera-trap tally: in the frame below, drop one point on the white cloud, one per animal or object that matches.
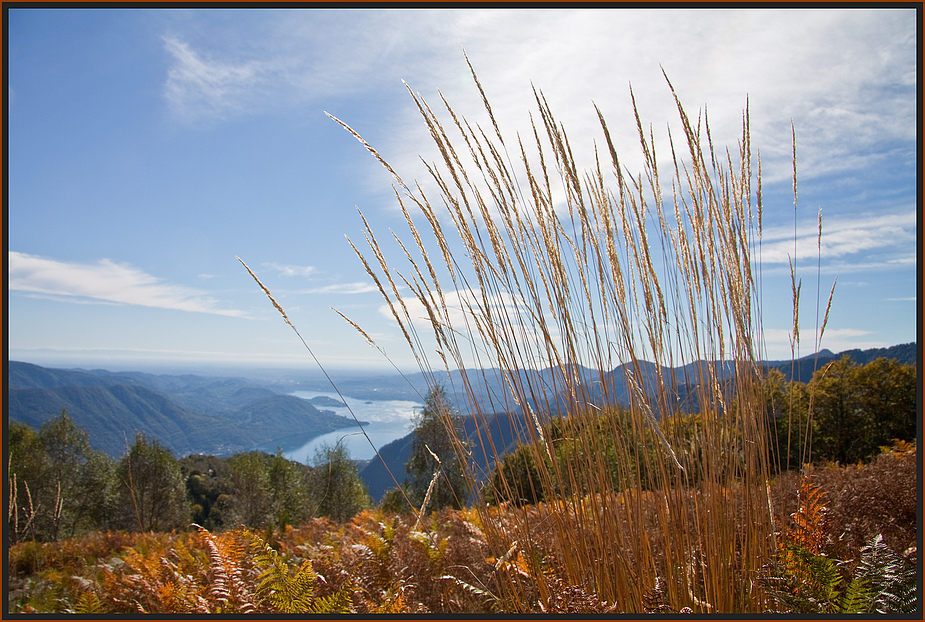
(876, 241)
(287, 270)
(105, 282)
(845, 77)
(343, 288)
(841, 76)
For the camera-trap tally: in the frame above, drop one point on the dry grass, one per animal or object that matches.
(611, 273)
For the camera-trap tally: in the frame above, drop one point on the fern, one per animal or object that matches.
(393, 604)
(565, 598)
(804, 580)
(491, 601)
(87, 603)
(892, 580)
(340, 602)
(857, 597)
(294, 593)
(218, 590)
(284, 592)
(228, 555)
(811, 519)
(656, 599)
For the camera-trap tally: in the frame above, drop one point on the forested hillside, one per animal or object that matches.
(254, 515)
(187, 414)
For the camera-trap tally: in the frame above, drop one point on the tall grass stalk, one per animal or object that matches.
(285, 317)
(562, 275)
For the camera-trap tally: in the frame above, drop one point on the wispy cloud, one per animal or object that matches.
(342, 288)
(465, 319)
(106, 282)
(462, 307)
(873, 241)
(199, 86)
(271, 60)
(288, 270)
(850, 102)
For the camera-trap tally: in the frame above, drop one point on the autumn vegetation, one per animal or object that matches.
(768, 496)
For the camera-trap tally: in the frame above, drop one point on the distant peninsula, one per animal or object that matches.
(324, 400)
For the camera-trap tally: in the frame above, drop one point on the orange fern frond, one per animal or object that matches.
(810, 520)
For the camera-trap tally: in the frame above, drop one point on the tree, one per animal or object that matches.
(208, 479)
(288, 490)
(335, 487)
(858, 409)
(438, 435)
(59, 485)
(887, 393)
(516, 479)
(25, 464)
(842, 431)
(98, 486)
(251, 503)
(152, 494)
(789, 431)
(268, 491)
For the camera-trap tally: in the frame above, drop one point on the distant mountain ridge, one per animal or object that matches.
(188, 414)
(803, 368)
(222, 416)
(490, 390)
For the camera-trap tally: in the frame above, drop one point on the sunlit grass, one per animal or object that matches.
(561, 269)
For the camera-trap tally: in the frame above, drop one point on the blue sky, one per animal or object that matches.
(149, 148)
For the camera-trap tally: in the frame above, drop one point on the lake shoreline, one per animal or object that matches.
(382, 421)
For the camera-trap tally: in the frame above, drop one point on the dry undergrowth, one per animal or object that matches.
(378, 563)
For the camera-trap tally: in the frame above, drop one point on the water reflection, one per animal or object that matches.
(387, 421)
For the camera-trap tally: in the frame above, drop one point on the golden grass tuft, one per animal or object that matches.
(617, 272)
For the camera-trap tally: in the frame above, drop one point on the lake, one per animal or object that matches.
(387, 421)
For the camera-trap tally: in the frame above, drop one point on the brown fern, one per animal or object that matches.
(655, 600)
(230, 562)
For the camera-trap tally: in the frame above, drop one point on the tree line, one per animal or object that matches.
(60, 487)
(846, 414)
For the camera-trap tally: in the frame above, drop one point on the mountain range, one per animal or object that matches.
(187, 414)
(193, 414)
